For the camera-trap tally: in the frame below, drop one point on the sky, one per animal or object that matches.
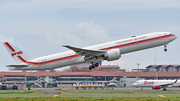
(41, 27)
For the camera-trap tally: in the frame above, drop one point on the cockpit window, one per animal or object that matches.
(170, 34)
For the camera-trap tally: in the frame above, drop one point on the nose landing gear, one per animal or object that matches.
(93, 65)
(165, 48)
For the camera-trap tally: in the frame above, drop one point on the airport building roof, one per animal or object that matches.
(42, 73)
(69, 73)
(97, 72)
(14, 73)
(85, 68)
(165, 66)
(149, 74)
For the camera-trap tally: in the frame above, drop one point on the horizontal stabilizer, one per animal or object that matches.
(17, 66)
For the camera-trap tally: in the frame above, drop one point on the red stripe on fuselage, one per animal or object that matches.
(47, 62)
(78, 55)
(7, 44)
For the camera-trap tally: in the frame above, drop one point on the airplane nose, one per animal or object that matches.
(175, 36)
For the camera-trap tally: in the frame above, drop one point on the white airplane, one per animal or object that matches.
(157, 84)
(113, 80)
(107, 51)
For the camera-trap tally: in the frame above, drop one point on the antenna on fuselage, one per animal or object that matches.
(133, 36)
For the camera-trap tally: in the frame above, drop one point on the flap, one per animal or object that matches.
(17, 66)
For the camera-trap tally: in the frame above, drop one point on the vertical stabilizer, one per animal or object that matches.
(15, 51)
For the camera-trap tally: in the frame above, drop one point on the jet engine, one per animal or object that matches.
(156, 87)
(113, 54)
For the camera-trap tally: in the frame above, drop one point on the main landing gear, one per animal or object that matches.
(93, 65)
(164, 89)
(165, 48)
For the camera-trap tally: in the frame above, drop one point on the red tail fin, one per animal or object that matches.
(15, 52)
(176, 81)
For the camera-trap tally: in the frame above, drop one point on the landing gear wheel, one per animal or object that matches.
(90, 67)
(164, 89)
(96, 64)
(93, 66)
(165, 50)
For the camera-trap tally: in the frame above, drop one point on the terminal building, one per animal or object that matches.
(80, 74)
(163, 68)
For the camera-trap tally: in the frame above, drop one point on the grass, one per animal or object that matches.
(21, 92)
(115, 92)
(91, 99)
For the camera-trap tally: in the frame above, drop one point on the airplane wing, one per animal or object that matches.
(17, 66)
(166, 84)
(86, 52)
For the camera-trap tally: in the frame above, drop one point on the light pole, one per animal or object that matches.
(138, 66)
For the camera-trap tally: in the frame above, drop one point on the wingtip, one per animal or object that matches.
(65, 45)
(5, 42)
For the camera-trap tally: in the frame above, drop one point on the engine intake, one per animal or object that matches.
(113, 54)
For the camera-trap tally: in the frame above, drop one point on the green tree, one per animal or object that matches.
(29, 86)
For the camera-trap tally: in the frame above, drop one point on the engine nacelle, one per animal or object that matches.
(113, 54)
(156, 87)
